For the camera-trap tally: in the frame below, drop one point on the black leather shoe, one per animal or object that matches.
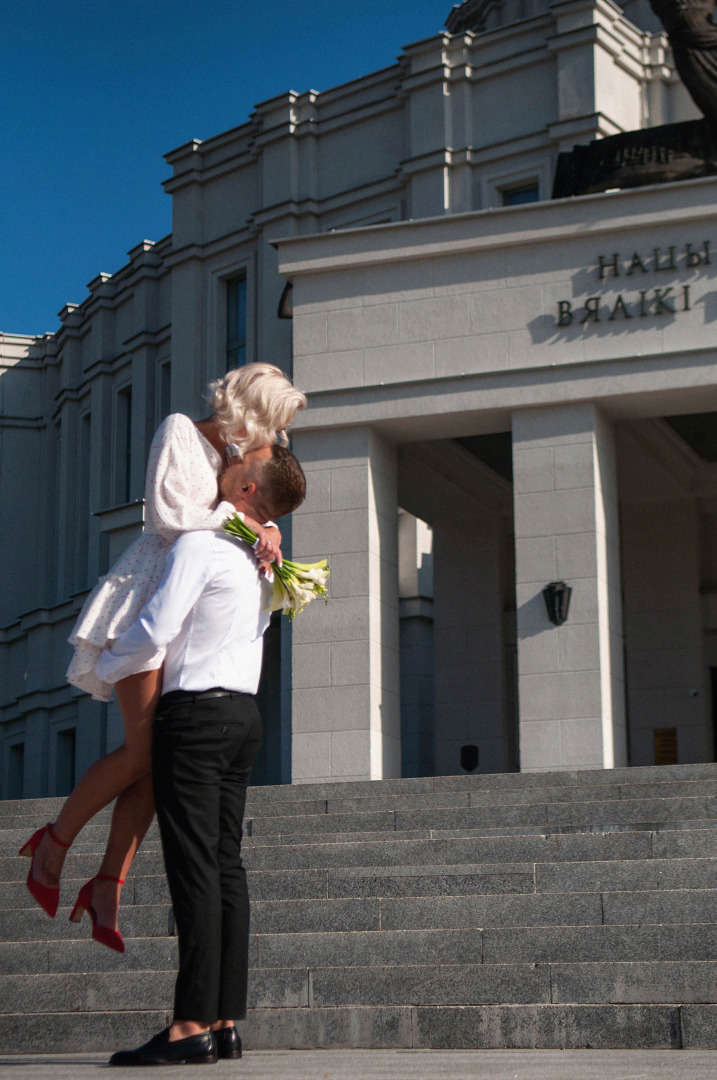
(228, 1043)
(195, 1050)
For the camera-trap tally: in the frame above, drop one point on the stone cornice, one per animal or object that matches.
(147, 338)
(70, 394)
(30, 422)
(42, 616)
(146, 262)
(290, 114)
(120, 517)
(247, 155)
(264, 218)
(52, 698)
(556, 220)
(624, 387)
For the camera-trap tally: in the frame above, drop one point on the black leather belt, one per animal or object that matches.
(175, 696)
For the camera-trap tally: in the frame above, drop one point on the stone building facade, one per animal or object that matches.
(500, 397)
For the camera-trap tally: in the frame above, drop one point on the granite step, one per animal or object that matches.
(64, 1032)
(437, 833)
(485, 984)
(485, 1026)
(466, 796)
(596, 943)
(479, 879)
(500, 797)
(32, 924)
(676, 942)
(504, 910)
(641, 982)
(80, 864)
(93, 839)
(427, 880)
(87, 992)
(449, 851)
(86, 956)
(496, 788)
(561, 909)
(570, 847)
(489, 781)
(603, 812)
(573, 1026)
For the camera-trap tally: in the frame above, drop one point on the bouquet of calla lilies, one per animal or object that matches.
(295, 584)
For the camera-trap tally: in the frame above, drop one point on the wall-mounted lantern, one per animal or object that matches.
(469, 757)
(286, 306)
(557, 601)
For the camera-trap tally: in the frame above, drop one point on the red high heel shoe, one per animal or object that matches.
(105, 935)
(46, 896)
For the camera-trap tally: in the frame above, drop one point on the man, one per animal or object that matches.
(209, 612)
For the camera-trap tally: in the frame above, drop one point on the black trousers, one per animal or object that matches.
(201, 760)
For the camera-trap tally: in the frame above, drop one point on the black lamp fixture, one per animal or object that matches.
(286, 306)
(557, 600)
(469, 757)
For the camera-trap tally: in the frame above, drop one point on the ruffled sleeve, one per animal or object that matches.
(179, 493)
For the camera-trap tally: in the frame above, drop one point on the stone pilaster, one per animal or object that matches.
(345, 701)
(571, 683)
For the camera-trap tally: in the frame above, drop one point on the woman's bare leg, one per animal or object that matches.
(131, 818)
(110, 776)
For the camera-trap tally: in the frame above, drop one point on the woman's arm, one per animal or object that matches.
(170, 491)
(268, 542)
(268, 547)
(171, 495)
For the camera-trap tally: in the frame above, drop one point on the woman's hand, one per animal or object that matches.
(268, 546)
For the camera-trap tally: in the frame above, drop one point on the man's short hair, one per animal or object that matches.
(282, 481)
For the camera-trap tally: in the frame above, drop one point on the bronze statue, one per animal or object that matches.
(693, 37)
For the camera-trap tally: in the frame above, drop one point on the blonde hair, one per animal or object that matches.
(253, 405)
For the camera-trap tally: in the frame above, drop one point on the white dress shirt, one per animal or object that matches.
(209, 613)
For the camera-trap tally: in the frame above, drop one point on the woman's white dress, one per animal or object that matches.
(180, 495)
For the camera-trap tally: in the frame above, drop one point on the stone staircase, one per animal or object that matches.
(571, 909)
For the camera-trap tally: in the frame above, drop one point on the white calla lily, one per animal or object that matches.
(295, 584)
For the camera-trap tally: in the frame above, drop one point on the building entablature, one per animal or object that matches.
(476, 315)
(432, 124)
(109, 291)
(25, 347)
(572, 14)
(659, 62)
(510, 226)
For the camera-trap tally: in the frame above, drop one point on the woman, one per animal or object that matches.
(252, 407)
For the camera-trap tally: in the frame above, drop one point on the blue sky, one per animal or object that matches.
(94, 92)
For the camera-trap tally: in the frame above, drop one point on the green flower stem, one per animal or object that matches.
(295, 584)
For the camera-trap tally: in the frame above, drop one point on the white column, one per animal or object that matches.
(571, 683)
(345, 684)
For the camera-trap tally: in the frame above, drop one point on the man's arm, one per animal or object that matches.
(160, 620)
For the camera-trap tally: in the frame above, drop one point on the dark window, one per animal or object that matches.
(65, 762)
(267, 767)
(83, 500)
(236, 322)
(16, 770)
(165, 390)
(518, 195)
(713, 682)
(699, 430)
(494, 450)
(123, 459)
